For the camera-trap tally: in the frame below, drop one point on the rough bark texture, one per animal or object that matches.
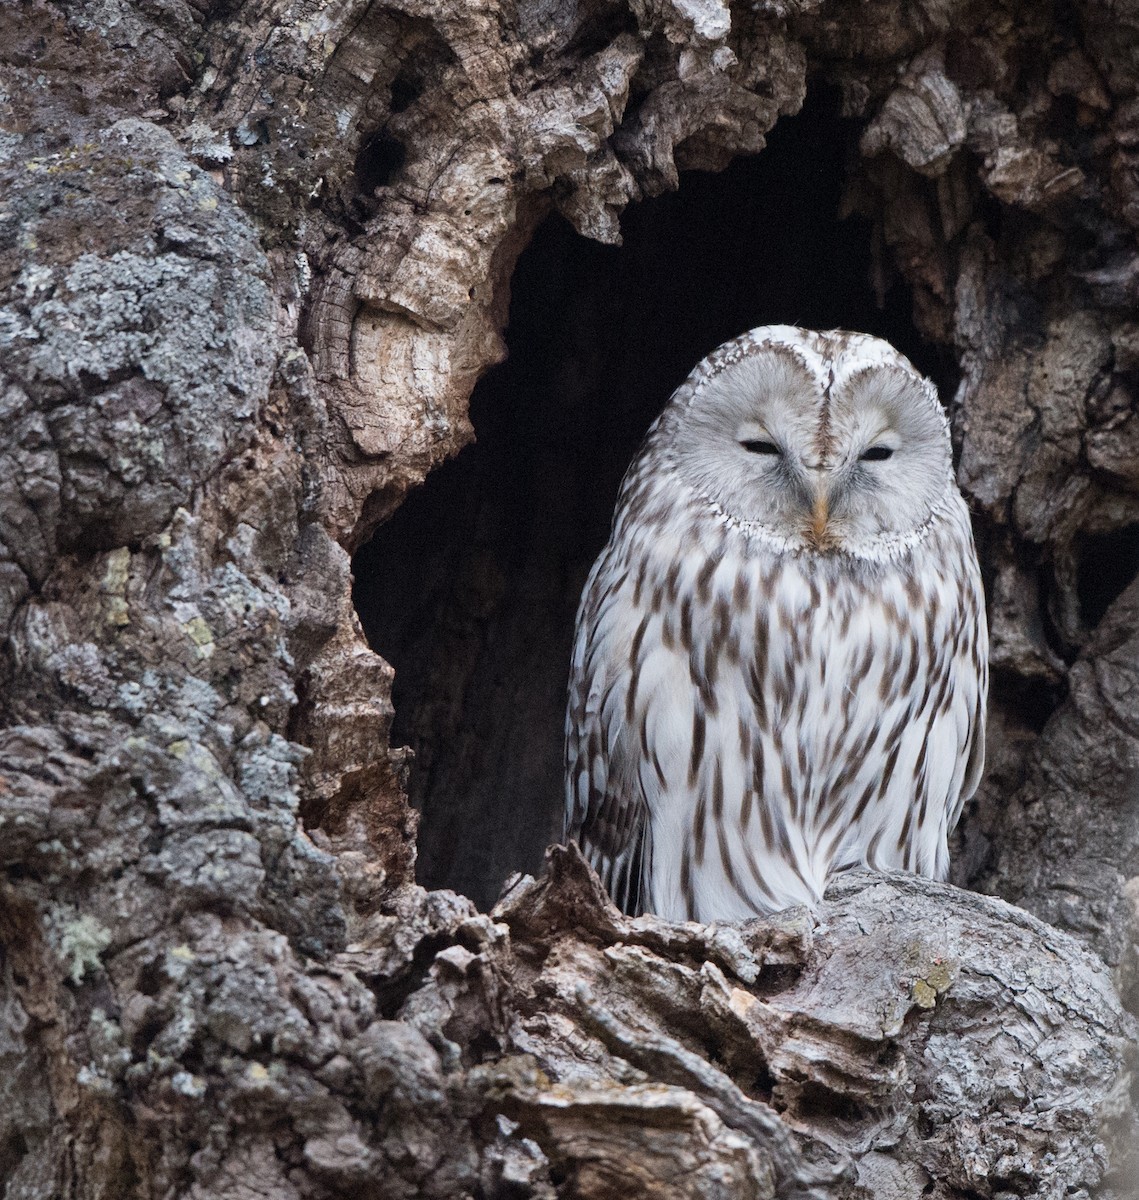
(253, 258)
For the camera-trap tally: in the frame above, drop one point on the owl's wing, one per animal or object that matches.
(606, 812)
(973, 682)
(975, 752)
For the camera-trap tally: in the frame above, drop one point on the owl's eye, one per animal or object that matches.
(876, 454)
(761, 447)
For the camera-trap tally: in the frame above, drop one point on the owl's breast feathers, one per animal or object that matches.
(745, 721)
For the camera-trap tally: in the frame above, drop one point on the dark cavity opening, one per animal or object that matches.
(380, 157)
(471, 589)
(1107, 563)
(405, 90)
(13, 1150)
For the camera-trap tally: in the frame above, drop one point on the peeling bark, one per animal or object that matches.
(253, 258)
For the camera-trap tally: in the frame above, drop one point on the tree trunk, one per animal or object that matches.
(254, 256)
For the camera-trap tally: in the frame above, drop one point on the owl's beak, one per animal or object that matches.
(820, 511)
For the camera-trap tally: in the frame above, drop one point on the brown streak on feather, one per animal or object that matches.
(635, 669)
(699, 818)
(789, 795)
(638, 587)
(672, 582)
(697, 746)
(704, 581)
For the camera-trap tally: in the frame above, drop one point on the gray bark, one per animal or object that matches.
(253, 258)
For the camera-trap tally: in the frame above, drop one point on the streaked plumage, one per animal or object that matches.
(780, 664)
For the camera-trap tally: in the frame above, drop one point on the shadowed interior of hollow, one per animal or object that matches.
(470, 590)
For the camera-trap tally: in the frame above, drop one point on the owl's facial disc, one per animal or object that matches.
(835, 452)
(889, 454)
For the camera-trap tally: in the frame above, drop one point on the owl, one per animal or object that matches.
(780, 663)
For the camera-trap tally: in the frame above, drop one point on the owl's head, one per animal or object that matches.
(824, 441)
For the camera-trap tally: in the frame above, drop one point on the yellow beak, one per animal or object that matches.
(819, 513)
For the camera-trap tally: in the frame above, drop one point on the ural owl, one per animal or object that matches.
(780, 664)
